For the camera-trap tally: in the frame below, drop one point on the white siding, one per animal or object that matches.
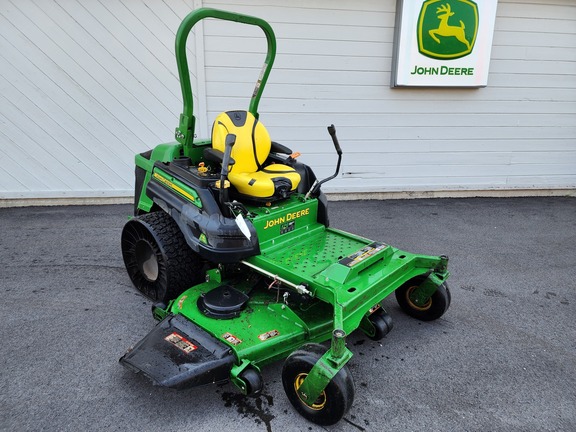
(85, 84)
(334, 64)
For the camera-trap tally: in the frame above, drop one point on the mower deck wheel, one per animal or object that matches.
(382, 323)
(253, 380)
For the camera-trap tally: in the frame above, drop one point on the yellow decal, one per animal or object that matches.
(171, 185)
(288, 217)
(374, 308)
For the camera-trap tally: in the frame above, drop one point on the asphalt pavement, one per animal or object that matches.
(503, 358)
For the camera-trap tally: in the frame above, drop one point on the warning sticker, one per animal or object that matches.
(268, 335)
(180, 342)
(181, 301)
(362, 254)
(231, 339)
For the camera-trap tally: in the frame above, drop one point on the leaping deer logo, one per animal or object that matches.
(444, 40)
(446, 30)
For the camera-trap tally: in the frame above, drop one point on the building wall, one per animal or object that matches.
(86, 84)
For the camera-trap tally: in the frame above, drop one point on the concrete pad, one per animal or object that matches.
(503, 358)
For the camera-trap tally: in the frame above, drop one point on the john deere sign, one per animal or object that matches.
(447, 30)
(443, 42)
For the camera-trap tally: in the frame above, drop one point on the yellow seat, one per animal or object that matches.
(248, 174)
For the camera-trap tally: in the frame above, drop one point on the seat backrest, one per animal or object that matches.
(253, 142)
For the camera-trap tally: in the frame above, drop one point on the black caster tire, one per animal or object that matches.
(382, 323)
(434, 308)
(335, 400)
(253, 380)
(159, 262)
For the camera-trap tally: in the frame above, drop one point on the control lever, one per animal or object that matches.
(230, 141)
(316, 185)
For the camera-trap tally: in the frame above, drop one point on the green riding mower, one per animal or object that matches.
(232, 243)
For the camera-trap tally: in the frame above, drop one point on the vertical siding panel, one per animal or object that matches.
(136, 86)
(35, 142)
(89, 135)
(19, 173)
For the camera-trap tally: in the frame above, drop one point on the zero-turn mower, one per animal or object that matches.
(231, 241)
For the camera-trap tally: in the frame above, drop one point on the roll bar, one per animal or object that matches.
(185, 131)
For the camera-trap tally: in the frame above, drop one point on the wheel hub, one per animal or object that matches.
(147, 260)
(413, 302)
(319, 403)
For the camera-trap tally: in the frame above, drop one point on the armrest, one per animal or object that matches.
(213, 155)
(279, 148)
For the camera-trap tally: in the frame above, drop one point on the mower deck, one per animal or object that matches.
(266, 329)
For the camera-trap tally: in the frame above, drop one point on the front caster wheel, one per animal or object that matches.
(433, 309)
(159, 262)
(334, 401)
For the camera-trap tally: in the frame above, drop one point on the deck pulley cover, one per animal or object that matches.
(223, 302)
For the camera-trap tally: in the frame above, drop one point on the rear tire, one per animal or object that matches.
(159, 262)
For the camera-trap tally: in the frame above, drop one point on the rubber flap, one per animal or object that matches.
(179, 354)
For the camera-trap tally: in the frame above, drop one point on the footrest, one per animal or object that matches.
(179, 354)
(349, 267)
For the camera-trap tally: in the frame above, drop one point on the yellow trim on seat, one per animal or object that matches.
(259, 184)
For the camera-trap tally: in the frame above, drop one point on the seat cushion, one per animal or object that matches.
(273, 181)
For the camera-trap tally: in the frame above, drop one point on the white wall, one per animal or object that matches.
(85, 84)
(334, 63)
